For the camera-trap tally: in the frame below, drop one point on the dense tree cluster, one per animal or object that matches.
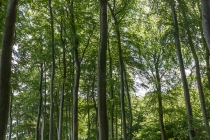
(117, 69)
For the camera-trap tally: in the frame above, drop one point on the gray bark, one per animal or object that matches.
(5, 68)
(197, 65)
(129, 105)
(63, 89)
(183, 75)
(122, 92)
(111, 96)
(102, 107)
(159, 92)
(206, 20)
(52, 73)
(37, 136)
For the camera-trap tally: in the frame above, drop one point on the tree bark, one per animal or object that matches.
(88, 113)
(44, 107)
(37, 136)
(206, 20)
(102, 107)
(129, 104)
(111, 96)
(52, 73)
(95, 107)
(183, 75)
(75, 44)
(159, 92)
(207, 55)
(5, 68)
(63, 89)
(197, 65)
(122, 95)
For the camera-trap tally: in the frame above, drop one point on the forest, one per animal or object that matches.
(105, 70)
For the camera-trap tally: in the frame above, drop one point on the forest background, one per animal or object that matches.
(122, 69)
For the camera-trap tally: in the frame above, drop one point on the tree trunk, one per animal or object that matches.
(95, 107)
(160, 106)
(88, 113)
(44, 107)
(121, 74)
(183, 75)
(206, 20)
(208, 67)
(206, 48)
(52, 73)
(111, 96)
(102, 107)
(129, 105)
(197, 65)
(37, 136)
(75, 43)
(63, 89)
(57, 112)
(5, 68)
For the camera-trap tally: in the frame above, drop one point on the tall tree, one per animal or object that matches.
(63, 86)
(159, 90)
(197, 65)
(75, 44)
(122, 91)
(183, 75)
(111, 96)
(206, 20)
(102, 107)
(37, 136)
(52, 71)
(5, 68)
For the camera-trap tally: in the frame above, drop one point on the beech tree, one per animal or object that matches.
(102, 107)
(5, 68)
(137, 86)
(206, 20)
(183, 74)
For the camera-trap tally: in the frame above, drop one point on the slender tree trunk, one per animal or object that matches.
(75, 97)
(10, 117)
(183, 75)
(52, 73)
(160, 105)
(102, 107)
(66, 120)
(88, 113)
(95, 107)
(5, 68)
(207, 57)
(75, 43)
(44, 107)
(111, 96)
(71, 98)
(116, 124)
(129, 104)
(57, 113)
(122, 95)
(197, 65)
(206, 20)
(63, 89)
(206, 48)
(37, 136)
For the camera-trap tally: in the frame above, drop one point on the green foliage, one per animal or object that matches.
(147, 41)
